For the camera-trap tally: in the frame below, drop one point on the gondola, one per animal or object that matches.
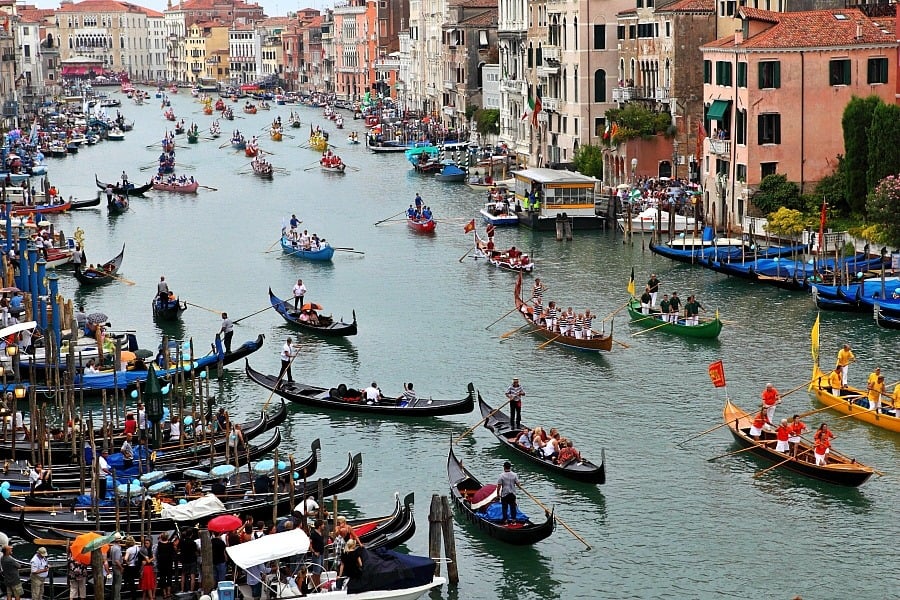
(327, 326)
(42, 209)
(840, 470)
(78, 204)
(707, 329)
(130, 190)
(600, 340)
(117, 204)
(348, 399)
(498, 423)
(846, 404)
(170, 310)
(826, 303)
(421, 224)
(105, 274)
(323, 254)
(464, 486)
(883, 320)
(391, 530)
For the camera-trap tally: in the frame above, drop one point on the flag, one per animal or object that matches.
(814, 338)
(606, 132)
(530, 108)
(536, 107)
(822, 226)
(717, 374)
(470, 226)
(631, 283)
(614, 132)
(701, 136)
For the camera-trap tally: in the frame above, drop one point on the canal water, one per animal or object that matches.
(668, 524)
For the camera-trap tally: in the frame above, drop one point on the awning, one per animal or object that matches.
(268, 548)
(717, 110)
(67, 70)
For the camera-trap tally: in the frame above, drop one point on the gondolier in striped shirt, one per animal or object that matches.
(552, 314)
(588, 321)
(515, 393)
(537, 292)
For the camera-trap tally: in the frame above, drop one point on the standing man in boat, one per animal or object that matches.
(288, 352)
(653, 288)
(515, 393)
(299, 293)
(674, 307)
(845, 356)
(227, 332)
(770, 398)
(506, 489)
(162, 290)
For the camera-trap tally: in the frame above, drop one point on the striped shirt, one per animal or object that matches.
(579, 324)
(587, 322)
(537, 291)
(552, 312)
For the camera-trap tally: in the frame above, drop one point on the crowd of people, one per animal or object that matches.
(173, 179)
(418, 210)
(331, 160)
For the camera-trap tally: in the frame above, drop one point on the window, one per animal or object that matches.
(26, 49)
(723, 73)
(599, 125)
(740, 128)
(742, 74)
(839, 72)
(707, 71)
(640, 3)
(766, 169)
(769, 74)
(600, 85)
(632, 35)
(645, 30)
(668, 29)
(483, 38)
(726, 8)
(620, 32)
(877, 70)
(741, 174)
(769, 126)
(599, 37)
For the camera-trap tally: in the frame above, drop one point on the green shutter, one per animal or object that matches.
(707, 71)
(777, 74)
(883, 74)
(742, 75)
(776, 125)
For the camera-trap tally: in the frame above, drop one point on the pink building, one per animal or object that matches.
(355, 48)
(775, 92)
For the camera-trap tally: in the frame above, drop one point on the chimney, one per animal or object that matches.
(859, 32)
(738, 36)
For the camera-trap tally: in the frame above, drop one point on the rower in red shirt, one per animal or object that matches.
(797, 427)
(782, 434)
(770, 398)
(758, 423)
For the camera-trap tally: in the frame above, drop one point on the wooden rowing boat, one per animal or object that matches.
(323, 254)
(707, 329)
(846, 405)
(464, 486)
(498, 423)
(421, 224)
(840, 470)
(501, 259)
(177, 188)
(326, 326)
(600, 340)
(105, 274)
(348, 399)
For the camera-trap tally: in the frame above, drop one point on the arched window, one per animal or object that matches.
(667, 74)
(575, 27)
(600, 85)
(480, 75)
(563, 35)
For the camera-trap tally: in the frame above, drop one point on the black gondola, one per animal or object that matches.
(77, 204)
(347, 399)
(104, 274)
(170, 310)
(583, 470)
(130, 190)
(826, 303)
(884, 320)
(326, 326)
(389, 531)
(463, 485)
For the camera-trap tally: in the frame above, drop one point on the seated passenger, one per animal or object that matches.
(567, 452)
(523, 441)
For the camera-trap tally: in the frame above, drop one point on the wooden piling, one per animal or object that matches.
(99, 578)
(207, 576)
(435, 519)
(449, 541)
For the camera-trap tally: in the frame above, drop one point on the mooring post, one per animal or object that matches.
(207, 577)
(449, 541)
(434, 532)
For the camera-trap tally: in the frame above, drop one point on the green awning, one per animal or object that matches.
(717, 110)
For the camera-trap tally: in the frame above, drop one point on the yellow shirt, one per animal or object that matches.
(873, 377)
(844, 357)
(835, 380)
(875, 391)
(896, 396)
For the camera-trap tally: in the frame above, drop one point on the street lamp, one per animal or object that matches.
(633, 168)
(12, 351)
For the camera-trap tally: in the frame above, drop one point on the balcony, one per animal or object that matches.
(661, 94)
(720, 147)
(623, 94)
(449, 85)
(196, 68)
(551, 104)
(550, 53)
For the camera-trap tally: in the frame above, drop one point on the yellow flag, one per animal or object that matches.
(814, 338)
(631, 283)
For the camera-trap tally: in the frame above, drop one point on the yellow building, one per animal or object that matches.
(204, 45)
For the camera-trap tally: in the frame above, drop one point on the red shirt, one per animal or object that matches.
(130, 426)
(770, 396)
(824, 438)
(760, 420)
(782, 433)
(796, 428)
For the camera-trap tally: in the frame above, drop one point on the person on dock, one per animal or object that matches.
(506, 490)
(11, 580)
(116, 565)
(845, 356)
(127, 453)
(653, 287)
(287, 356)
(515, 393)
(227, 331)
(770, 398)
(299, 291)
(40, 571)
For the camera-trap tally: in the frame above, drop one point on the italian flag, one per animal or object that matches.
(536, 107)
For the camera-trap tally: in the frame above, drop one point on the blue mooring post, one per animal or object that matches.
(53, 278)
(9, 235)
(33, 280)
(22, 282)
(42, 292)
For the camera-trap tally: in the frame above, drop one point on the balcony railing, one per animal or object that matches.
(550, 103)
(550, 53)
(661, 94)
(623, 94)
(720, 147)
(449, 85)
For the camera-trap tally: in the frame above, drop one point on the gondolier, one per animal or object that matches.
(78, 256)
(227, 332)
(515, 393)
(299, 293)
(506, 489)
(845, 356)
(287, 355)
(653, 287)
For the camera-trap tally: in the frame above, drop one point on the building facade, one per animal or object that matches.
(512, 31)
(354, 43)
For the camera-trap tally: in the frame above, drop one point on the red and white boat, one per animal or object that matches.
(508, 260)
(178, 188)
(421, 224)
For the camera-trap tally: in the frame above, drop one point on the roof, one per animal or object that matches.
(209, 4)
(276, 22)
(630, 11)
(692, 6)
(100, 6)
(488, 17)
(811, 29)
(153, 13)
(34, 15)
(552, 176)
(474, 3)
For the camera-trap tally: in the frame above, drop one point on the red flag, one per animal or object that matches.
(538, 105)
(717, 374)
(701, 136)
(822, 226)
(470, 226)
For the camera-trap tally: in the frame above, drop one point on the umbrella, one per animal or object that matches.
(102, 543)
(79, 547)
(224, 524)
(311, 306)
(142, 353)
(268, 465)
(97, 318)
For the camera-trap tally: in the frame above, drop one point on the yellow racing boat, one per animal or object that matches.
(847, 403)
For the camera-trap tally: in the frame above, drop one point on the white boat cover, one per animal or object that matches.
(195, 509)
(269, 548)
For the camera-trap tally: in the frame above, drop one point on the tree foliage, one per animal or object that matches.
(487, 120)
(884, 145)
(786, 222)
(833, 188)
(775, 191)
(883, 206)
(588, 160)
(634, 121)
(856, 122)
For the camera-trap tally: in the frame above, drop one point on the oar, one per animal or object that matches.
(710, 430)
(623, 344)
(236, 321)
(218, 312)
(50, 542)
(650, 329)
(281, 376)
(350, 250)
(735, 452)
(391, 217)
(122, 279)
(501, 318)
(548, 342)
(510, 333)
(799, 387)
(613, 313)
(210, 188)
(854, 414)
(556, 518)
(225, 144)
(466, 254)
(475, 426)
(776, 465)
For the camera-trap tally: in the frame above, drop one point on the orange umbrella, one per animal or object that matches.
(80, 542)
(311, 306)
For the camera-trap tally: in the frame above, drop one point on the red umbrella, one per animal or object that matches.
(224, 524)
